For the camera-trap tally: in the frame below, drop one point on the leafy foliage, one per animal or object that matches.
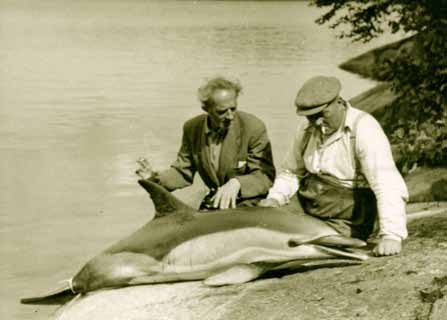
(417, 121)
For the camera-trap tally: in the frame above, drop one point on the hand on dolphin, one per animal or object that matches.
(387, 247)
(145, 171)
(269, 202)
(226, 195)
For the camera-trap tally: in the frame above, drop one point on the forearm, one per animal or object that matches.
(257, 176)
(182, 170)
(284, 187)
(287, 182)
(391, 194)
(173, 179)
(385, 180)
(392, 217)
(256, 183)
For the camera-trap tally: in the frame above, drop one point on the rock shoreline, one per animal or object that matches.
(412, 285)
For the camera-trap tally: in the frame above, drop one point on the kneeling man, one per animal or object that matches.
(230, 149)
(342, 167)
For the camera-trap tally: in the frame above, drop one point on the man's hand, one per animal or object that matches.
(145, 170)
(269, 202)
(387, 247)
(226, 195)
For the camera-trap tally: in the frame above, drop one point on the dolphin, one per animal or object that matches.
(221, 247)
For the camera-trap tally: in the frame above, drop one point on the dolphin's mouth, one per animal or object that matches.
(329, 241)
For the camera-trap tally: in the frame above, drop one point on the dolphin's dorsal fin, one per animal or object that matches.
(164, 202)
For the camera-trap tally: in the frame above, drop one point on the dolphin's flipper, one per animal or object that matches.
(331, 241)
(57, 296)
(164, 201)
(237, 274)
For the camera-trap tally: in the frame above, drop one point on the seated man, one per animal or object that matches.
(229, 148)
(342, 167)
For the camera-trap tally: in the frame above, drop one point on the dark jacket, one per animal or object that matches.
(246, 154)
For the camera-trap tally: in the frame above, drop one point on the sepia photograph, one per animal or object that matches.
(223, 159)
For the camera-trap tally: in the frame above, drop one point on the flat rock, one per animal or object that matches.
(375, 100)
(374, 64)
(427, 184)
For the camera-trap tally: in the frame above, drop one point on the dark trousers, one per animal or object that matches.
(352, 212)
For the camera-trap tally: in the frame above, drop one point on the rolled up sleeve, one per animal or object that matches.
(286, 183)
(378, 167)
(182, 171)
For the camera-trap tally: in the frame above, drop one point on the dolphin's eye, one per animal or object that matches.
(293, 243)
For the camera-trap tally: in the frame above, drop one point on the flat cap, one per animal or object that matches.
(316, 93)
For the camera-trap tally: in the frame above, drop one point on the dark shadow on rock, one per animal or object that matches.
(300, 267)
(375, 64)
(429, 228)
(439, 190)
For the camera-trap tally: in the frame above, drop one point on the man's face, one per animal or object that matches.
(330, 118)
(223, 108)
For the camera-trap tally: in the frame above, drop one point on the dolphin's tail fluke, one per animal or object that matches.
(59, 295)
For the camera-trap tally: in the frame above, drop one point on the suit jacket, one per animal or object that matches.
(245, 153)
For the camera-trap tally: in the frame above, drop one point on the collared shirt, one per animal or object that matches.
(214, 140)
(335, 157)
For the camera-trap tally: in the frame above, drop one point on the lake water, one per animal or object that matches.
(86, 87)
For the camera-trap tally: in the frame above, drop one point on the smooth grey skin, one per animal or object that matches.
(222, 247)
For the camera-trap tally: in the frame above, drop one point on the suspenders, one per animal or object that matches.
(358, 177)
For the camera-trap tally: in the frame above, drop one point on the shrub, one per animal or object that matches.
(417, 121)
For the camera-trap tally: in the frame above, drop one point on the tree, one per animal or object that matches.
(417, 121)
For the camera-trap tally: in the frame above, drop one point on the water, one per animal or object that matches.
(87, 87)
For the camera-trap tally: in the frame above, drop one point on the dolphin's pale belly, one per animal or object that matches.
(206, 255)
(211, 247)
(241, 246)
(200, 257)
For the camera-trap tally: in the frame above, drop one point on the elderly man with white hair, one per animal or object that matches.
(230, 150)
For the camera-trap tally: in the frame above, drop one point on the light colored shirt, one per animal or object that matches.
(215, 146)
(335, 157)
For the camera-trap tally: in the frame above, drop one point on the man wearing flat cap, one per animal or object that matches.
(342, 167)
